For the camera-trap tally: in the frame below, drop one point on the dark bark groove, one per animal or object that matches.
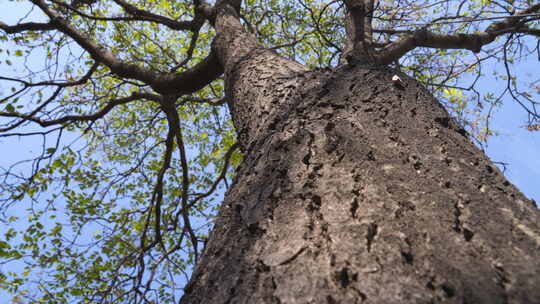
(353, 190)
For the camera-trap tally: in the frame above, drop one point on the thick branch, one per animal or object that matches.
(172, 24)
(528, 31)
(368, 21)
(359, 27)
(165, 83)
(232, 41)
(354, 25)
(191, 80)
(138, 15)
(23, 27)
(473, 42)
(97, 52)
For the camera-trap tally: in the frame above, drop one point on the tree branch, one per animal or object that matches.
(34, 112)
(157, 195)
(174, 123)
(23, 27)
(472, 42)
(139, 15)
(83, 79)
(221, 176)
(190, 80)
(97, 52)
(166, 83)
(369, 6)
(232, 41)
(192, 25)
(71, 118)
(359, 28)
(528, 31)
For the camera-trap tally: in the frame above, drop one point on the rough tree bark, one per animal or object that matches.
(355, 190)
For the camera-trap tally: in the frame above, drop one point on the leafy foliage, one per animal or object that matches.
(119, 199)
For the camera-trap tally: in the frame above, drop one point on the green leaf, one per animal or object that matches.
(10, 108)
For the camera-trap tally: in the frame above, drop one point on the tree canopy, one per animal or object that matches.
(126, 102)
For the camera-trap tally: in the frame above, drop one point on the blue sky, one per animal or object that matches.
(514, 145)
(517, 147)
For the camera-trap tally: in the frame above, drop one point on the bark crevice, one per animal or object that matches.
(362, 198)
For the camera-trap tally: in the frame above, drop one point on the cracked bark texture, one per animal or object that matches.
(355, 191)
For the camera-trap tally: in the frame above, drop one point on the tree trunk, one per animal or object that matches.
(356, 190)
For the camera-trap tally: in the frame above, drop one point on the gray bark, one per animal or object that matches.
(354, 190)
